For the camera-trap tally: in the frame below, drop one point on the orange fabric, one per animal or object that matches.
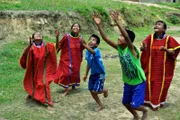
(159, 68)
(39, 84)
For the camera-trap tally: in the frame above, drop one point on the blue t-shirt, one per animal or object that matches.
(95, 63)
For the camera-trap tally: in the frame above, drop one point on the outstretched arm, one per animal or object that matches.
(26, 50)
(97, 20)
(114, 15)
(57, 40)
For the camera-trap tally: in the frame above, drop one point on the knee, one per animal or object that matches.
(93, 92)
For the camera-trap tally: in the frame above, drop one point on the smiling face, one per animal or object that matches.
(121, 41)
(92, 42)
(75, 28)
(159, 27)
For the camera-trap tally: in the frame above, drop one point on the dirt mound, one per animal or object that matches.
(21, 23)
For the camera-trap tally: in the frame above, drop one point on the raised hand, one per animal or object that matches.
(57, 33)
(143, 46)
(114, 15)
(30, 41)
(82, 41)
(96, 18)
(57, 40)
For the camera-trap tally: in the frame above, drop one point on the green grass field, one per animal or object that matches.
(79, 105)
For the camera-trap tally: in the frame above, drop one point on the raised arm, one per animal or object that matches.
(87, 47)
(114, 15)
(57, 40)
(97, 20)
(26, 50)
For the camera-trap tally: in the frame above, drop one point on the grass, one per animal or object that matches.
(135, 15)
(78, 105)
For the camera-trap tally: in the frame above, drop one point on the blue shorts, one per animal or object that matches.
(96, 82)
(134, 94)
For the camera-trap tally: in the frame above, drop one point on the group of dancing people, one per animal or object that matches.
(146, 76)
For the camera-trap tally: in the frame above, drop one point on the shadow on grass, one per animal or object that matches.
(33, 103)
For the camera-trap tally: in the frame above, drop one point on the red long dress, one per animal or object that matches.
(159, 68)
(68, 72)
(40, 64)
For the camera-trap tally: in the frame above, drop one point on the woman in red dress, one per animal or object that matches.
(68, 72)
(39, 60)
(159, 53)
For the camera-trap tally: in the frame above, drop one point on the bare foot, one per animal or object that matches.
(27, 97)
(136, 118)
(99, 108)
(49, 108)
(144, 117)
(66, 92)
(106, 93)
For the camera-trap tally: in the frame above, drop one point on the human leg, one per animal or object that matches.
(96, 86)
(132, 111)
(66, 91)
(144, 111)
(126, 100)
(99, 85)
(138, 99)
(104, 91)
(96, 98)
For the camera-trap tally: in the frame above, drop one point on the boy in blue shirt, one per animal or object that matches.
(132, 73)
(97, 76)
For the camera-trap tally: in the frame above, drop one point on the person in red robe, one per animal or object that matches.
(39, 60)
(68, 72)
(159, 53)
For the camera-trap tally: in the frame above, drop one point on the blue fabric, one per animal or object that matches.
(134, 94)
(95, 62)
(96, 82)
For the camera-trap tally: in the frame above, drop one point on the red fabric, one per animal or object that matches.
(37, 55)
(68, 73)
(157, 67)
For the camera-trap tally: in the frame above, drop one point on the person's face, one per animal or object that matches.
(121, 40)
(75, 29)
(92, 42)
(159, 27)
(37, 36)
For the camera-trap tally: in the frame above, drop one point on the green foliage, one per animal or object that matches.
(174, 19)
(173, 5)
(79, 104)
(87, 12)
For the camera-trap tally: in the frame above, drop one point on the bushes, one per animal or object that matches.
(174, 19)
